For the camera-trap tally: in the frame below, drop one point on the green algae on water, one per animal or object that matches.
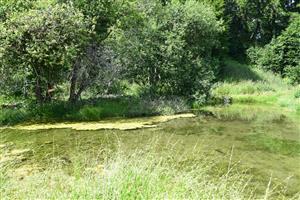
(120, 124)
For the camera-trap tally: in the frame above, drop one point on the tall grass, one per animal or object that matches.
(141, 175)
(242, 88)
(233, 71)
(241, 79)
(255, 94)
(249, 113)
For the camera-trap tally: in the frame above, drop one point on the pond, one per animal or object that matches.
(264, 150)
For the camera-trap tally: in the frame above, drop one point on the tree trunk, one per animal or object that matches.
(82, 87)
(50, 90)
(77, 94)
(73, 97)
(38, 91)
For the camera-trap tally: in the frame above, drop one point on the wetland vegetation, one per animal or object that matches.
(156, 99)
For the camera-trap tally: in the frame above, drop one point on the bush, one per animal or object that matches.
(233, 71)
(293, 73)
(8, 116)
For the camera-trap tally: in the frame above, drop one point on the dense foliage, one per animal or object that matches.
(42, 44)
(170, 48)
(59, 49)
(282, 55)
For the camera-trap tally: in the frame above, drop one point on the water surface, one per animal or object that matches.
(264, 149)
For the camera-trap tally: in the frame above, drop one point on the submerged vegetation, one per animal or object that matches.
(274, 145)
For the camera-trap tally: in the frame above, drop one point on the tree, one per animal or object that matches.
(282, 54)
(169, 47)
(291, 5)
(251, 22)
(8, 7)
(44, 42)
(97, 70)
(86, 70)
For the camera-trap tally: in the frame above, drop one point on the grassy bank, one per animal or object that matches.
(255, 95)
(91, 110)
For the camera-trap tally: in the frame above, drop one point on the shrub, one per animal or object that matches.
(293, 73)
(233, 71)
(8, 116)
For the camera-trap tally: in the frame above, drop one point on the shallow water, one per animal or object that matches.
(264, 149)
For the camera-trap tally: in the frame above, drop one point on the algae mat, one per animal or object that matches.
(120, 124)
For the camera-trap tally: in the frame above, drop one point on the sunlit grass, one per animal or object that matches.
(255, 94)
(248, 113)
